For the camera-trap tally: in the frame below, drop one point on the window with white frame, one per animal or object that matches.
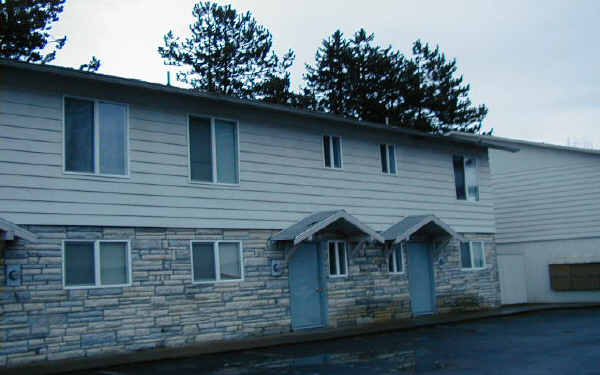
(466, 178)
(338, 261)
(213, 150)
(332, 151)
(96, 137)
(472, 255)
(216, 261)
(88, 264)
(387, 155)
(396, 260)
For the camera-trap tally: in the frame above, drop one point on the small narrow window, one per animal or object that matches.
(213, 150)
(472, 255)
(338, 261)
(396, 260)
(113, 263)
(332, 151)
(201, 149)
(96, 263)
(95, 137)
(387, 155)
(226, 140)
(465, 178)
(216, 261)
(79, 135)
(80, 264)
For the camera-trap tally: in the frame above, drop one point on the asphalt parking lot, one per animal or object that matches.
(547, 342)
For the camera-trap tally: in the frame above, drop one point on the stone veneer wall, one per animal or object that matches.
(466, 290)
(162, 308)
(371, 294)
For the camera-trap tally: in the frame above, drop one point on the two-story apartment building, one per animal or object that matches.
(136, 216)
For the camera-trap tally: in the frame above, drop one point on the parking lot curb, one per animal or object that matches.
(148, 355)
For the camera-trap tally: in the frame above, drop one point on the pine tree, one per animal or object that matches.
(228, 53)
(357, 79)
(24, 29)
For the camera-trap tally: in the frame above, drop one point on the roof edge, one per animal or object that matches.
(7, 226)
(507, 142)
(137, 83)
(415, 228)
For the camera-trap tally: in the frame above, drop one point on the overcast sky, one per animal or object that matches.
(533, 63)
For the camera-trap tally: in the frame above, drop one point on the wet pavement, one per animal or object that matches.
(549, 342)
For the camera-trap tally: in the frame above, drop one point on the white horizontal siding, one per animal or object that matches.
(544, 193)
(282, 177)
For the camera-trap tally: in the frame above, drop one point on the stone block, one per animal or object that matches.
(98, 339)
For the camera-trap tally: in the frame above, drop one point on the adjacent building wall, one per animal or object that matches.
(281, 167)
(547, 208)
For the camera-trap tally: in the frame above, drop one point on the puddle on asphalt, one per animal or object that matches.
(393, 361)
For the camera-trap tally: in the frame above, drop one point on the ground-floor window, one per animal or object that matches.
(89, 264)
(217, 261)
(338, 261)
(396, 260)
(472, 255)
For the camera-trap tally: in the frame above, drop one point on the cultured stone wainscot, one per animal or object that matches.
(40, 320)
(371, 294)
(466, 290)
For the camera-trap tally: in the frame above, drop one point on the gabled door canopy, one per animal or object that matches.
(410, 225)
(8, 231)
(312, 224)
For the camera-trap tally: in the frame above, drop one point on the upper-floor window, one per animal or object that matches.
(213, 150)
(396, 260)
(338, 261)
(387, 155)
(214, 261)
(89, 264)
(95, 137)
(472, 255)
(465, 178)
(332, 151)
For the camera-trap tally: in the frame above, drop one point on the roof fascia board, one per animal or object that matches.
(333, 218)
(135, 83)
(429, 219)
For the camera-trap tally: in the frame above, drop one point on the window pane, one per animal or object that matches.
(113, 133)
(477, 254)
(399, 265)
(471, 179)
(459, 177)
(383, 157)
(326, 151)
(332, 264)
(465, 255)
(342, 252)
(113, 263)
(337, 152)
(226, 137)
(79, 135)
(79, 263)
(200, 149)
(229, 261)
(203, 262)
(392, 157)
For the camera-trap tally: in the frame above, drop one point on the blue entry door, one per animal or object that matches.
(420, 273)
(305, 288)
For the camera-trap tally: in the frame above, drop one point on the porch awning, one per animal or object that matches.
(8, 232)
(410, 225)
(336, 220)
